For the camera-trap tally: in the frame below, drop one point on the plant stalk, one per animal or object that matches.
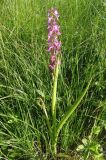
(54, 107)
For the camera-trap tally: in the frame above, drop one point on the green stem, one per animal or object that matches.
(54, 91)
(54, 107)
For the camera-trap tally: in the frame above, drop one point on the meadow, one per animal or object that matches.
(26, 81)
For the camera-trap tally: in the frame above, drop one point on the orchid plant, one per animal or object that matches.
(54, 48)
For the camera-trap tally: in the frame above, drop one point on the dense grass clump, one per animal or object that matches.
(25, 77)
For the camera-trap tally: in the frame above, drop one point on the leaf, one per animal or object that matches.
(99, 157)
(95, 148)
(96, 130)
(71, 111)
(10, 121)
(80, 147)
(40, 93)
(84, 141)
(63, 155)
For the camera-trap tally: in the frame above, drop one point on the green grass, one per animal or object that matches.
(24, 75)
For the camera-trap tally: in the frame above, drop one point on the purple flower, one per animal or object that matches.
(50, 19)
(54, 45)
(52, 59)
(51, 48)
(56, 13)
(55, 30)
(51, 67)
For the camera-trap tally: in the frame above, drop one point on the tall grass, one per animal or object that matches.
(25, 78)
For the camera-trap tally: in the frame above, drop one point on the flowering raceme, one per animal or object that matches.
(54, 45)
